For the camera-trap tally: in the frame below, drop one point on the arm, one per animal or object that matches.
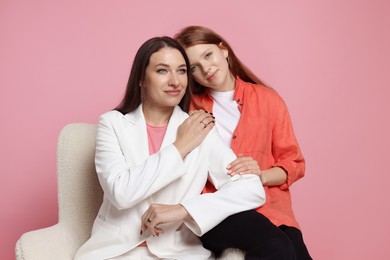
(289, 165)
(234, 194)
(286, 152)
(125, 185)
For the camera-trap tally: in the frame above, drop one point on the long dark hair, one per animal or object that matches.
(194, 35)
(133, 95)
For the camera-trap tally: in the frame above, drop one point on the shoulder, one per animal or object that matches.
(261, 91)
(111, 115)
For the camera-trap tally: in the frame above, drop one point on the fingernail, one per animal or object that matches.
(228, 167)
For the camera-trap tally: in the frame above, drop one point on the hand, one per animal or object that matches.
(160, 214)
(193, 131)
(244, 165)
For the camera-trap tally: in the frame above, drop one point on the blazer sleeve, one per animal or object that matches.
(125, 185)
(286, 151)
(233, 195)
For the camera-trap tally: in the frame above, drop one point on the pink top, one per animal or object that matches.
(155, 137)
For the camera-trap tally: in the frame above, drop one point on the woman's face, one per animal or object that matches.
(165, 80)
(209, 66)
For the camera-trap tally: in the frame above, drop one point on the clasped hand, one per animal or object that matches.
(158, 214)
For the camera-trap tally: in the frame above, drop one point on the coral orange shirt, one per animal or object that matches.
(265, 133)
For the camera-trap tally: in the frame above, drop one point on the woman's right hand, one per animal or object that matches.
(193, 131)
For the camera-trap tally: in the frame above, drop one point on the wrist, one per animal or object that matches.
(181, 149)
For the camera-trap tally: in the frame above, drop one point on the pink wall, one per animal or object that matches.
(68, 61)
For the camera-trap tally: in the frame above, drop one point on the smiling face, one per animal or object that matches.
(209, 66)
(165, 79)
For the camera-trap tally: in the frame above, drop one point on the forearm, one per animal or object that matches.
(236, 196)
(274, 176)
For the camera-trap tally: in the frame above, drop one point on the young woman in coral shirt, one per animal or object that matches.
(253, 119)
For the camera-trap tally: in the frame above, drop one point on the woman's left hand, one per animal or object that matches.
(244, 165)
(160, 214)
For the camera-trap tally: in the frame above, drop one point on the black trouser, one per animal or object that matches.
(254, 234)
(295, 236)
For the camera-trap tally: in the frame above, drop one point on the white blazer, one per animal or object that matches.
(132, 179)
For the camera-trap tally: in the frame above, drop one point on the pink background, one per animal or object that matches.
(68, 61)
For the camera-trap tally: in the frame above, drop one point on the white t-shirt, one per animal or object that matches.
(227, 114)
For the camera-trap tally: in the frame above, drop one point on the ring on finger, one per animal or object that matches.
(204, 125)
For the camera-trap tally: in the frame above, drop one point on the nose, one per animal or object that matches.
(206, 68)
(173, 81)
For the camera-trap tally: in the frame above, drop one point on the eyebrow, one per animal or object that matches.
(202, 54)
(167, 66)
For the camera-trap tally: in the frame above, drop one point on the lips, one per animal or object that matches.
(173, 93)
(212, 76)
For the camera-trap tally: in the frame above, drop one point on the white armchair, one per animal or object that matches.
(79, 198)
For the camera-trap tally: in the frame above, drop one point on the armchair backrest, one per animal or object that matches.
(79, 192)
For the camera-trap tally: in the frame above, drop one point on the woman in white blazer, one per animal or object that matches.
(153, 161)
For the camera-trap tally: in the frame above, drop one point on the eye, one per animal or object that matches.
(208, 55)
(194, 69)
(162, 71)
(182, 71)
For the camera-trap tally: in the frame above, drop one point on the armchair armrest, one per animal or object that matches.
(232, 254)
(58, 242)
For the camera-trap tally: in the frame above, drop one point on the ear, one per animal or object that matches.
(224, 50)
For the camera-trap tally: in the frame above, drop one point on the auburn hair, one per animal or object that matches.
(194, 35)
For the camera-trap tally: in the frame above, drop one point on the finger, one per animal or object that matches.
(143, 228)
(146, 221)
(246, 170)
(256, 172)
(152, 228)
(158, 231)
(243, 167)
(201, 115)
(208, 126)
(208, 119)
(197, 112)
(239, 160)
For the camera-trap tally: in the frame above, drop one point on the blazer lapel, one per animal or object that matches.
(178, 116)
(139, 137)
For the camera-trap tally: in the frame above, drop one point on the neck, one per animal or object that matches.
(228, 85)
(157, 116)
